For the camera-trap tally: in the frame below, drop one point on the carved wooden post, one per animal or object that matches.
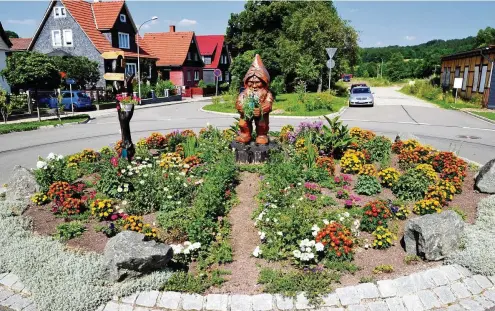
(125, 117)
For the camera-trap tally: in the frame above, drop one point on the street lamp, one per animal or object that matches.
(139, 63)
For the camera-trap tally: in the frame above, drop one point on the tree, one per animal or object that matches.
(11, 34)
(80, 68)
(7, 105)
(485, 37)
(395, 69)
(31, 70)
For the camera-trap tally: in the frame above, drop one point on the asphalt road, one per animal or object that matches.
(394, 113)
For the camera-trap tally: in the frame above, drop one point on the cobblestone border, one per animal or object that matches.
(449, 287)
(274, 116)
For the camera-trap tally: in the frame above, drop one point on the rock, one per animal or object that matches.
(433, 236)
(21, 186)
(485, 179)
(128, 256)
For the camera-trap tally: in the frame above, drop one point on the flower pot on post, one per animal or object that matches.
(125, 110)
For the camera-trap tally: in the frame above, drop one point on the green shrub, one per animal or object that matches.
(367, 185)
(189, 283)
(367, 279)
(290, 283)
(379, 149)
(53, 168)
(69, 230)
(277, 86)
(162, 85)
(383, 269)
(411, 259)
(412, 185)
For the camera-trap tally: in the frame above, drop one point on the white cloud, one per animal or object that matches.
(187, 22)
(21, 21)
(410, 38)
(379, 43)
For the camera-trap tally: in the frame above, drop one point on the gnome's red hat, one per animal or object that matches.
(257, 69)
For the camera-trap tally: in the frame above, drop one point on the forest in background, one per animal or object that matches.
(416, 61)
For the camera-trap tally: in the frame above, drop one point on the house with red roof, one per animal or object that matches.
(5, 46)
(102, 31)
(20, 44)
(215, 55)
(179, 59)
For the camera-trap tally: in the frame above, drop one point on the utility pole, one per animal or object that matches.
(381, 70)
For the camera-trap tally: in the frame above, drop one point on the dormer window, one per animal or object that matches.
(59, 12)
(207, 60)
(124, 40)
(188, 55)
(123, 18)
(195, 56)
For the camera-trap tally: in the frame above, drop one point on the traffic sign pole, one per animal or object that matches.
(71, 103)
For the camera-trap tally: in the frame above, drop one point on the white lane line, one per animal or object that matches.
(426, 124)
(477, 128)
(399, 122)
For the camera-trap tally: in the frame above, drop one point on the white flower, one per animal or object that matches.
(119, 189)
(149, 165)
(341, 218)
(129, 167)
(366, 246)
(186, 251)
(346, 214)
(267, 220)
(51, 156)
(314, 233)
(123, 171)
(308, 249)
(262, 235)
(41, 164)
(311, 255)
(165, 189)
(181, 174)
(298, 183)
(297, 253)
(141, 182)
(138, 158)
(275, 220)
(319, 247)
(257, 251)
(130, 173)
(145, 175)
(179, 202)
(315, 228)
(147, 159)
(280, 233)
(325, 221)
(260, 216)
(60, 157)
(169, 196)
(185, 185)
(196, 245)
(124, 202)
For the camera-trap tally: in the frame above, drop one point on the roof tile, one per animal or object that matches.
(20, 44)
(170, 47)
(211, 45)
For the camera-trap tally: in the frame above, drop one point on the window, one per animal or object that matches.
(68, 37)
(123, 18)
(188, 75)
(224, 59)
(56, 38)
(124, 40)
(483, 78)
(457, 72)
(446, 80)
(196, 75)
(130, 69)
(465, 78)
(188, 55)
(476, 78)
(207, 60)
(59, 12)
(227, 76)
(66, 95)
(196, 57)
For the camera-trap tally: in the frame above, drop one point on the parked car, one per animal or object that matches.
(361, 96)
(346, 78)
(49, 101)
(80, 100)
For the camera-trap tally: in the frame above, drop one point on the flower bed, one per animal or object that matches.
(332, 205)
(350, 217)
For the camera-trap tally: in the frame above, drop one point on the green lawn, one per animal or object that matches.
(288, 105)
(29, 126)
(487, 114)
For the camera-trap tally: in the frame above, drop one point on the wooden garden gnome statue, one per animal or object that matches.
(255, 103)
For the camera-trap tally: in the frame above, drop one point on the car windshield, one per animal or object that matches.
(361, 90)
(83, 95)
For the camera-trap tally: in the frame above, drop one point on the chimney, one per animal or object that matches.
(171, 28)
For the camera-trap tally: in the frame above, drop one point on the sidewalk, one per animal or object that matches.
(98, 113)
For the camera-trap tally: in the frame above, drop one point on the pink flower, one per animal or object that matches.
(114, 217)
(114, 161)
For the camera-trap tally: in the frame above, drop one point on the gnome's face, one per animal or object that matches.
(255, 84)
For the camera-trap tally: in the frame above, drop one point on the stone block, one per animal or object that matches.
(348, 295)
(470, 304)
(450, 272)
(482, 281)
(378, 306)
(444, 294)
(395, 304)
(429, 299)
(262, 302)
(331, 300)
(169, 300)
(284, 303)
(472, 286)
(412, 303)
(367, 291)
(217, 302)
(460, 290)
(147, 299)
(241, 303)
(387, 288)
(302, 303)
(192, 302)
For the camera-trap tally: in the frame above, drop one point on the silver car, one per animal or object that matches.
(361, 96)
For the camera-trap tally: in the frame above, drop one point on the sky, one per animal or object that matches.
(378, 23)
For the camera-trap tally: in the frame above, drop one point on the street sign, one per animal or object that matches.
(70, 81)
(457, 83)
(330, 63)
(217, 72)
(331, 52)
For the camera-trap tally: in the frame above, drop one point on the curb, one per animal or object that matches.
(478, 116)
(330, 115)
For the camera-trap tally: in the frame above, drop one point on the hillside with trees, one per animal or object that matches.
(417, 61)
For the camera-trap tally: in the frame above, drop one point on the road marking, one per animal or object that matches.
(398, 122)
